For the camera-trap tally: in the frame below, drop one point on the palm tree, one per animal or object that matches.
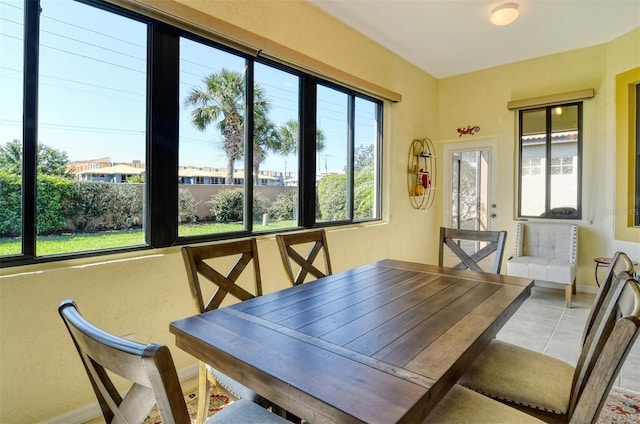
(290, 137)
(221, 100)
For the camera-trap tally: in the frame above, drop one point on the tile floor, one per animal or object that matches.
(544, 324)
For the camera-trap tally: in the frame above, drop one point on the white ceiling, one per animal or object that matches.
(452, 37)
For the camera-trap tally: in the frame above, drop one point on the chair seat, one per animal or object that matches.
(464, 406)
(238, 390)
(543, 269)
(245, 412)
(518, 375)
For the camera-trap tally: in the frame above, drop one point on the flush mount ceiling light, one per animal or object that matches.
(504, 14)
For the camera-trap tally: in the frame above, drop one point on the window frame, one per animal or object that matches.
(548, 166)
(162, 140)
(636, 211)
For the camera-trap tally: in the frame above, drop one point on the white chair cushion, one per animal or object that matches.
(238, 390)
(514, 374)
(245, 412)
(464, 406)
(543, 269)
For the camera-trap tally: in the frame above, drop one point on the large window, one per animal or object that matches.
(550, 162)
(137, 134)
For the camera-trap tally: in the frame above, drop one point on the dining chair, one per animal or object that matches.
(453, 237)
(203, 263)
(549, 388)
(318, 244)
(150, 371)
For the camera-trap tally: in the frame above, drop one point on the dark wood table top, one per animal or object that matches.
(381, 343)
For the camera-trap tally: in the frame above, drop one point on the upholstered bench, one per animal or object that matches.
(546, 252)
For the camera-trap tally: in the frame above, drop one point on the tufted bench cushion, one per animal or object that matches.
(544, 269)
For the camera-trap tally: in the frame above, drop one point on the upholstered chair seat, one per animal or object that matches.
(463, 406)
(544, 378)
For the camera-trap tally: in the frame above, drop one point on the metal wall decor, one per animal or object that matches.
(422, 173)
(468, 131)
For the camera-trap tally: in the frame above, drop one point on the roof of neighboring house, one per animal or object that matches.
(117, 169)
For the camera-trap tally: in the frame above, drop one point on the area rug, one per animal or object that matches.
(622, 406)
(217, 401)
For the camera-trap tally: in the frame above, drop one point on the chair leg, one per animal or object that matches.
(568, 291)
(204, 387)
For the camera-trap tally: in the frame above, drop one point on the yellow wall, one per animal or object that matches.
(480, 98)
(139, 294)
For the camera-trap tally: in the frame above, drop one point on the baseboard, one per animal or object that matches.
(92, 411)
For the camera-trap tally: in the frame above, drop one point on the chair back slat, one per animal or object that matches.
(495, 240)
(620, 262)
(199, 272)
(149, 368)
(613, 338)
(318, 241)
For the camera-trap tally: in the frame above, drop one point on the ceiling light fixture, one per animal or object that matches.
(504, 14)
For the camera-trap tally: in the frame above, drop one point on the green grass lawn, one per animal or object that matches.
(81, 242)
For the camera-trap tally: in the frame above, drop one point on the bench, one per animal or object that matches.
(546, 252)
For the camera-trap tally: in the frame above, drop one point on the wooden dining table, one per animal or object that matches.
(381, 343)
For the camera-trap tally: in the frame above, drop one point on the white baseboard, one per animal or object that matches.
(92, 411)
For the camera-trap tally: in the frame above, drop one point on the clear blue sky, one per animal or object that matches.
(93, 89)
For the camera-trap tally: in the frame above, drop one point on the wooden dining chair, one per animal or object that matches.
(452, 238)
(620, 262)
(551, 389)
(150, 371)
(317, 239)
(202, 264)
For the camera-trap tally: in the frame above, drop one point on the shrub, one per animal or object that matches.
(187, 206)
(53, 204)
(364, 195)
(10, 204)
(105, 206)
(332, 197)
(284, 206)
(125, 207)
(227, 205)
(90, 204)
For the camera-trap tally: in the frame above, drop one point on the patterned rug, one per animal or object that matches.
(217, 401)
(622, 406)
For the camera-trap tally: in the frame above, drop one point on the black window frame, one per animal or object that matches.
(636, 210)
(548, 211)
(162, 140)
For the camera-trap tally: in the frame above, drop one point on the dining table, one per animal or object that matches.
(380, 343)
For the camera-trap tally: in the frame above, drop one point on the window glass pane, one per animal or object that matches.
(275, 156)
(332, 153)
(11, 84)
(211, 152)
(91, 133)
(532, 163)
(564, 160)
(365, 169)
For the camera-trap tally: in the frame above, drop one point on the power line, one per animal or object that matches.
(96, 32)
(93, 45)
(94, 59)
